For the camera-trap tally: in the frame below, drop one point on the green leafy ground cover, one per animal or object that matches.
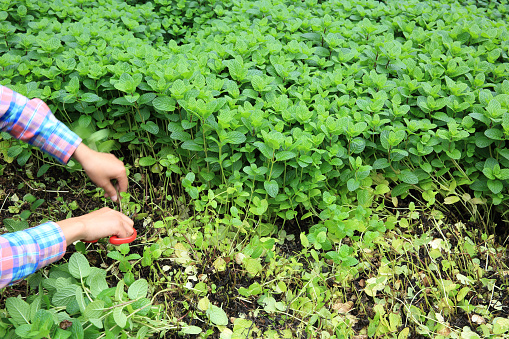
(300, 169)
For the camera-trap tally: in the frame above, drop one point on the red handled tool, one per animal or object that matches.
(114, 240)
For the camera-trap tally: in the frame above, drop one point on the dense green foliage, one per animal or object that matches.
(276, 106)
(279, 109)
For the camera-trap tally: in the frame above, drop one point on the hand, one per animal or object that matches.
(101, 168)
(95, 225)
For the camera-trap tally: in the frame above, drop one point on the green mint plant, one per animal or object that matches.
(75, 301)
(123, 257)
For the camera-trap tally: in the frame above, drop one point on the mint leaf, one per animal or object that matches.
(79, 266)
(147, 161)
(166, 104)
(271, 187)
(19, 310)
(138, 289)
(94, 310)
(408, 177)
(217, 316)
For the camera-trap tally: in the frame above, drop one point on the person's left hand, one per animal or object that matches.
(95, 225)
(102, 168)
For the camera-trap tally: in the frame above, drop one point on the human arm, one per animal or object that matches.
(24, 252)
(33, 122)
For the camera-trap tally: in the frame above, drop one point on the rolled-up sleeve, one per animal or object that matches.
(33, 122)
(24, 252)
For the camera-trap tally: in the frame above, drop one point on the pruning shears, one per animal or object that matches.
(114, 240)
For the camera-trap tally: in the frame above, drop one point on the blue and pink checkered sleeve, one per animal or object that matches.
(33, 122)
(24, 252)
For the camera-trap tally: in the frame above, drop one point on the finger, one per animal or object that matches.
(125, 230)
(127, 221)
(110, 191)
(122, 182)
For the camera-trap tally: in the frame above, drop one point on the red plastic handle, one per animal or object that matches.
(114, 240)
(118, 241)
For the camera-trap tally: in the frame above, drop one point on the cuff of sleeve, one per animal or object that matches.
(61, 143)
(48, 133)
(51, 241)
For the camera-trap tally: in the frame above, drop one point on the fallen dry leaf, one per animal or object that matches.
(343, 307)
(478, 319)
(65, 324)
(444, 331)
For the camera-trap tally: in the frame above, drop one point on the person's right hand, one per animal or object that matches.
(102, 168)
(95, 225)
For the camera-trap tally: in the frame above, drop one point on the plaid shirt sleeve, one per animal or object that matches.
(24, 252)
(32, 121)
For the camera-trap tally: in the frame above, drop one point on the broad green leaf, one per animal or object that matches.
(495, 186)
(147, 161)
(253, 266)
(94, 310)
(64, 295)
(191, 145)
(357, 145)
(119, 291)
(19, 310)
(15, 225)
(98, 284)
(35, 306)
(79, 266)
(24, 331)
(503, 152)
(236, 138)
(43, 321)
(106, 146)
(98, 136)
(500, 325)
(146, 98)
(271, 187)
(260, 208)
(76, 329)
(14, 151)
(42, 170)
(142, 333)
(127, 137)
(85, 120)
(217, 316)
(400, 189)
(138, 289)
(90, 97)
(191, 330)
(80, 299)
(483, 141)
(128, 83)
(150, 127)
(494, 133)
(304, 240)
(285, 155)
(452, 199)
(165, 104)
(352, 184)
(408, 177)
(119, 316)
